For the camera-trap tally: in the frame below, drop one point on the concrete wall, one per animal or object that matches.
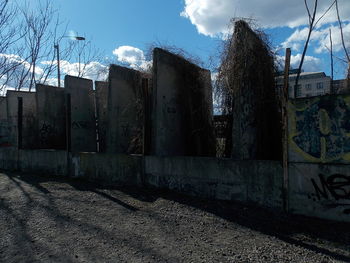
(182, 108)
(320, 190)
(83, 123)
(319, 128)
(317, 190)
(109, 169)
(50, 102)
(256, 131)
(101, 88)
(4, 126)
(250, 181)
(29, 123)
(47, 162)
(125, 111)
(8, 158)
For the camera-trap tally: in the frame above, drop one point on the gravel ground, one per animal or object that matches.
(53, 219)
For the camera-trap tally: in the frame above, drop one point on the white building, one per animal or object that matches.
(309, 84)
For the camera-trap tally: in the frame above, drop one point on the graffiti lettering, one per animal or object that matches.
(125, 130)
(80, 125)
(336, 186)
(46, 131)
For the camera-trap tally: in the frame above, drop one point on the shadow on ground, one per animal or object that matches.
(270, 222)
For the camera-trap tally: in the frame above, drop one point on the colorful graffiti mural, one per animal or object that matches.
(319, 129)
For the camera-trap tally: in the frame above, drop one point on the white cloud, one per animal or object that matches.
(132, 56)
(319, 38)
(211, 17)
(310, 64)
(93, 70)
(17, 61)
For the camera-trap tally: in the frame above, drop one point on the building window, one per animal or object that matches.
(319, 85)
(298, 90)
(308, 86)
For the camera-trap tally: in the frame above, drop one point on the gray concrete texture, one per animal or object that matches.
(316, 190)
(29, 121)
(101, 88)
(182, 107)
(256, 130)
(51, 110)
(223, 179)
(8, 158)
(125, 111)
(46, 162)
(4, 126)
(108, 169)
(319, 128)
(83, 122)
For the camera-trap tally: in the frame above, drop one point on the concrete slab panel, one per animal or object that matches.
(4, 126)
(256, 130)
(248, 181)
(46, 162)
(83, 122)
(182, 108)
(108, 169)
(101, 88)
(51, 111)
(8, 158)
(319, 129)
(29, 125)
(125, 111)
(320, 190)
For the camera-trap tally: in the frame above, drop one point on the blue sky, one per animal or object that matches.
(138, 23)
(124, 29)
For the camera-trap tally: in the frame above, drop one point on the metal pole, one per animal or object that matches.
(285, 131)
(58, 64)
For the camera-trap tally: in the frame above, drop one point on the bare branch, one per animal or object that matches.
(341, 32)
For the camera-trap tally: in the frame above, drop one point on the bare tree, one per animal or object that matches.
(9, 36)
(312, 25)
(27, 38)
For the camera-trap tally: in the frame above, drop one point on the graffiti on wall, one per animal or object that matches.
(319, 129)
(5, 131)
(334, 187)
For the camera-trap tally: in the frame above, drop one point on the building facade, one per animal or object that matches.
(310, 84)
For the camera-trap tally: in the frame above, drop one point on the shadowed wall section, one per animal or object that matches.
(256, 130)
(51, 111)
(182, 107)
(29, 119)
(82, 114)
(125, 111)
(4, 126)
(101, 88)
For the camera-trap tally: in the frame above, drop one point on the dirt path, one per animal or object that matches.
(58, 220)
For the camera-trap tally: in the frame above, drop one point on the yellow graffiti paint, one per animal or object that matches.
(325, 124)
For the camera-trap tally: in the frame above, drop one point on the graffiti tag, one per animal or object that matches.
(335, 186)
(80, 125)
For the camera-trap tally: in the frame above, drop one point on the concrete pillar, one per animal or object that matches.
(4, 127)
(182, 107)
(125, 111)
(83, 122)
(29, 119)
(51, 117)
(101, 88)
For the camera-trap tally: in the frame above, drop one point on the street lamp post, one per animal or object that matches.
(57, 47)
